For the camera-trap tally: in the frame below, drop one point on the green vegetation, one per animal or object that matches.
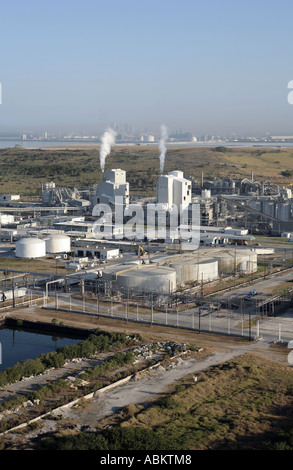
(97, 342)
(287, 173)
(113, 439)
(222, 149)
(44, 265)
(118, 360)
(242, 404)
(59, 392)
(23, 171)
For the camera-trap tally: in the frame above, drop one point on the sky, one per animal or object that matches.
(216, 67)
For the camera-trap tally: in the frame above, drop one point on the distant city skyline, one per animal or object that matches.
(211, 67)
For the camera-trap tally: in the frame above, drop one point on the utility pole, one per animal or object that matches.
(199, 313)
(13, 296)
(249, 321)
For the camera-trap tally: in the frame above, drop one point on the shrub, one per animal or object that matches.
(122, 438)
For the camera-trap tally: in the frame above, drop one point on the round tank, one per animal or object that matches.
(58, 243)
(30, 248)
(190, 269)
(206, 193)
(240, 261)
(148, 279)
(109, 273)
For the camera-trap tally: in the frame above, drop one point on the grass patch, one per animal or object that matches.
(22, 171)
(245, 403)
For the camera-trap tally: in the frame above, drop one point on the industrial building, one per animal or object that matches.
(174, 190)
(61, 196)
(113, 187)
(94, 251)
(229, 209)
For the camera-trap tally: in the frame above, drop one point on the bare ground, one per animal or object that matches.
(149, 386)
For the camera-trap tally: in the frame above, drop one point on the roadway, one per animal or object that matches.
(239, 322)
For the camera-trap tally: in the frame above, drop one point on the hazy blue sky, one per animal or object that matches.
(204, 66)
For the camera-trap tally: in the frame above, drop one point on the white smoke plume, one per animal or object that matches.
(162, 146)
(107, 140)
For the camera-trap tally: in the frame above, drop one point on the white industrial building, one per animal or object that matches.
(114, 186)
(90, 251)
(6, 219)
(9, 197)
(174, 189)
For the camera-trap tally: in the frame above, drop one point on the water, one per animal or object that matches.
(18, 345)
(32, 144)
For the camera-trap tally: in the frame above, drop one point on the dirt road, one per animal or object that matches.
(151, 385)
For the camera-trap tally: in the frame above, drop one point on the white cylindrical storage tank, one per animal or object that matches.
(206, 194)
(239, 261)
(148, 279)
(207, 270)
(190, 269)
(110, 273)
(30, 248)
(58, 243)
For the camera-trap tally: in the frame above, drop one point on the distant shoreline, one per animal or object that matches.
(50, 145)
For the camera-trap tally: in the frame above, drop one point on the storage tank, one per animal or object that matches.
(58, 243)
(148, 279)
(206, 194)
(110, 272)
(30, 248)
(190, 269)
(8, 294)
(240, 261)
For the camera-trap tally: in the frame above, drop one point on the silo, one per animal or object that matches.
(30, 248)
(157, 279)
(58, 243)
